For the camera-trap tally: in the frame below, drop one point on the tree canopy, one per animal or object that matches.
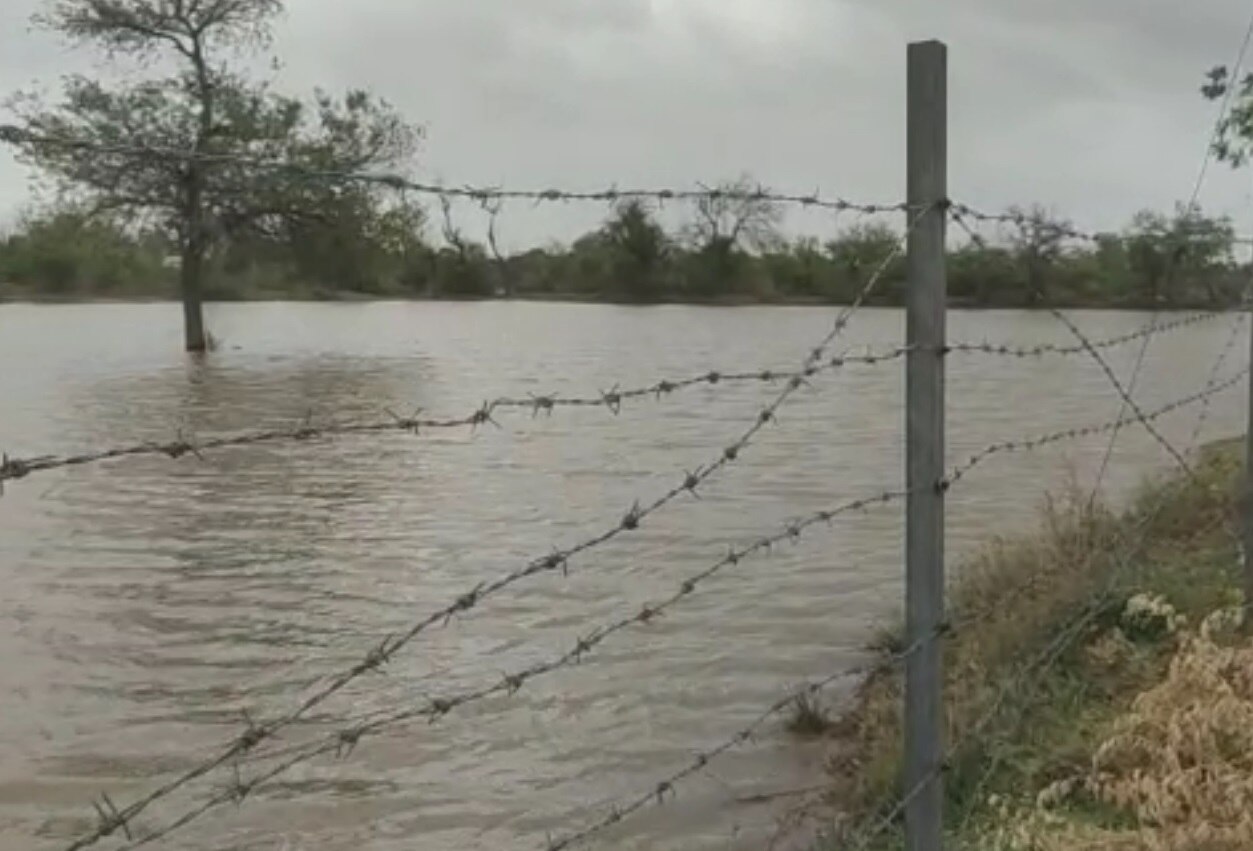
(203, 154)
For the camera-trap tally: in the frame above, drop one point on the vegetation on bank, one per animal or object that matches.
(731, 251)
(1100, 695)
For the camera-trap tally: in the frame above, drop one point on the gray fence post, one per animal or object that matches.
(924, 452)
(1246, 507)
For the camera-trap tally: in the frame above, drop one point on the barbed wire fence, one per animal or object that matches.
(260, 752)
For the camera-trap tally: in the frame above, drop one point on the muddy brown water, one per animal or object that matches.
(148, 603)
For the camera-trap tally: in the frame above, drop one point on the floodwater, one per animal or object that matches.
(150, 604)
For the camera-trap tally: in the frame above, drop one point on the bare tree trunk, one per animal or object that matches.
(192, 272)
(193, 303)
(196, 246)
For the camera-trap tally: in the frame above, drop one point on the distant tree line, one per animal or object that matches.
(258, 202)
(364, 245)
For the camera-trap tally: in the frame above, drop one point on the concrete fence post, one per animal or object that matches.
(924, 535)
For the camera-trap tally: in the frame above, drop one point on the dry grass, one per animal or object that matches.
(1041, 724)
(1178, 764)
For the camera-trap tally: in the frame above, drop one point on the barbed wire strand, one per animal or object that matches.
(1099, 604)
(612, 400)
(1043, 349)
(1234, 337)
(1128, 400)
(1146, 418)
(1138, 541)
(1125, 393)
(1020, 219)
(113, 819)
(478, 194)
(1224, 108)
(1236, 328)
(343, 740)
(949, 627)
(881, 824)
(791, 532)
(1055, 649)
(666, 787)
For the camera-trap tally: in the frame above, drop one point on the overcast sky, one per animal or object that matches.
(1088, 106)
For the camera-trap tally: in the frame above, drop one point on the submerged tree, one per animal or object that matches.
(204, 152)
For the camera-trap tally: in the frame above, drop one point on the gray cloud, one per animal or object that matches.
(1090, 108)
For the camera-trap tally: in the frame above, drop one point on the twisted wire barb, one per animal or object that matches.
(611, 400)
(479, 194)
(116, 820)
(344, 740)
